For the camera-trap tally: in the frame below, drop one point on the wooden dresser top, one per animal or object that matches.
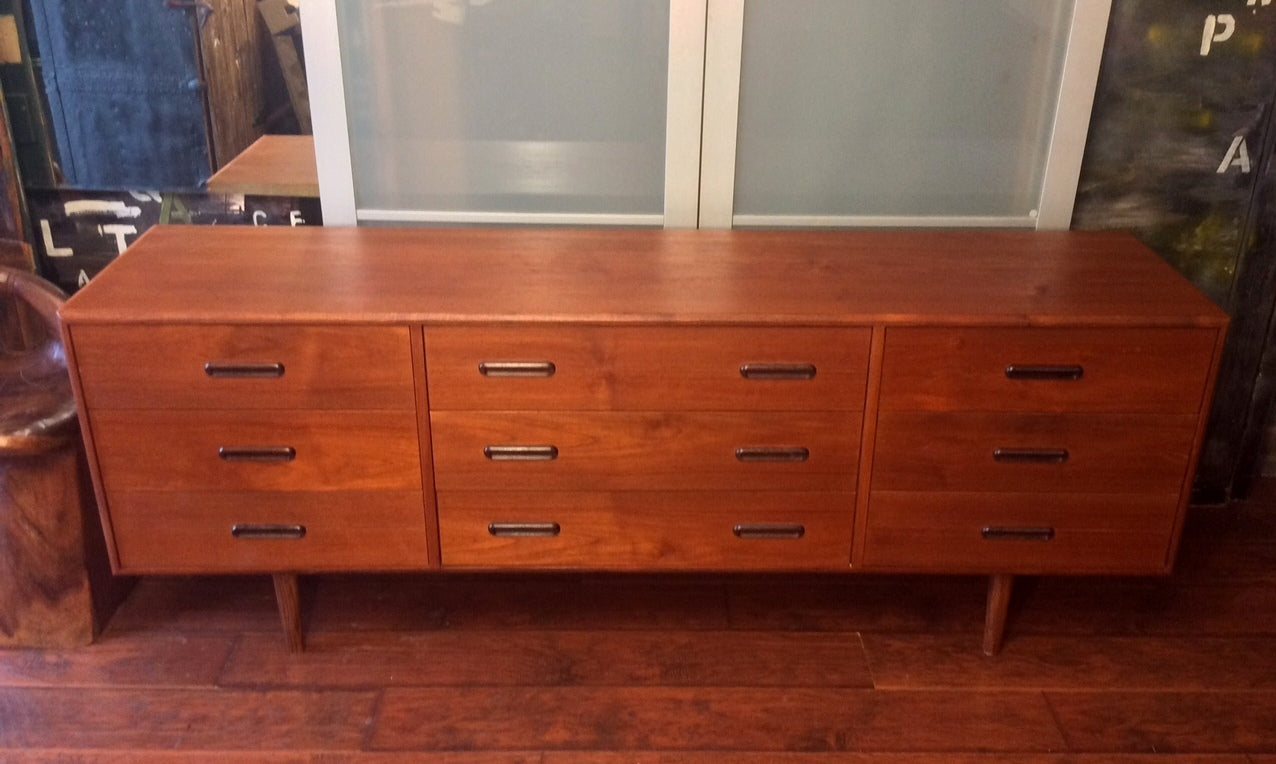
(380, 275)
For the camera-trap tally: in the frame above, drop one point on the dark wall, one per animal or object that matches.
(1179, 152)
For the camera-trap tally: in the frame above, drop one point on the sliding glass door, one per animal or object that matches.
(710, 113)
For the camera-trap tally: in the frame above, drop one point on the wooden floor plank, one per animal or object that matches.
(726, 719)
(547, 658)
(1167, 722)
(922, 661)
(867, 603)
(1135, 607)
(198, 604)
(506, 601)
(163, 660)
(103, 756)
(154, 719)
(593, 757)
(1250, 521)
(1229, 545)
(99, 756)
(444, 757)
(1225, 562)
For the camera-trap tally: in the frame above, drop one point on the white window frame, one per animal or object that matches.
(703, 94)
(332, 136)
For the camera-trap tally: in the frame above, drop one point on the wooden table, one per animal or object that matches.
(274, 165)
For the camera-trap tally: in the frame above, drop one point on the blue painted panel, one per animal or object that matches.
(124, 93)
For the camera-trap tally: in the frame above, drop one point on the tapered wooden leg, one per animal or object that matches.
(289, 602)
(999, 587)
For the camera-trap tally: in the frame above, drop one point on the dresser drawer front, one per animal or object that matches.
(234, 451)
(1046, 369)
(646, 530)
(1019, 532)
(645, 451)
(183, 532)
(245, 367)
(646, 368)
(1092, 453)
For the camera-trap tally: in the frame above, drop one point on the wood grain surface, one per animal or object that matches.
(1089, 533)
(646, 450)
(191, 532)
(45, 573)
(319, 367)
(663, 718)
(447, 658)
(648, 369)
(1100, 453)
(1120, 371)
(309, 275)
(272, 165)
(52, 717)
(172, 450)
(638, 530)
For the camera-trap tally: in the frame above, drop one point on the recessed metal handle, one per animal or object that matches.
(750, 531)
(995, 533)
(256, 531)
(1066, 372)
(517, 368)
(778, 371)
(1031, 455)
(772, 454)
(523, 530)
(257, 453)
(521, 453)
(233, 370)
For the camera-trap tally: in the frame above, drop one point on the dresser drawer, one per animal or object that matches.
(1046, 369)
(244, 367)
(644, 451)
(646, 530)
(180, 532)
(1019, 532)
(1092, 453)
(646, 368)
(262, 451)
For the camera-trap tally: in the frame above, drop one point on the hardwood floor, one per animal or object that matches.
(678, 669)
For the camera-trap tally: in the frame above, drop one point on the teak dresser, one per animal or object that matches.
(288, 401)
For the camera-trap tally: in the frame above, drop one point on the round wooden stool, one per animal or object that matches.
(52, 557)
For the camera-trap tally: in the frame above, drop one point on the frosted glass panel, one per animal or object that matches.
(506, 105)
(897, 108)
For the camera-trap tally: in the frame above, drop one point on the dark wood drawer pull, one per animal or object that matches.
(772, 454)
(252, 531)
(517, 368)
(523, 530)
(1065, 373)
(257, 453)
(751, 531)
(1031, 455)
(229, 370)
(778, 371)
(1017, 534)
(521, 453)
